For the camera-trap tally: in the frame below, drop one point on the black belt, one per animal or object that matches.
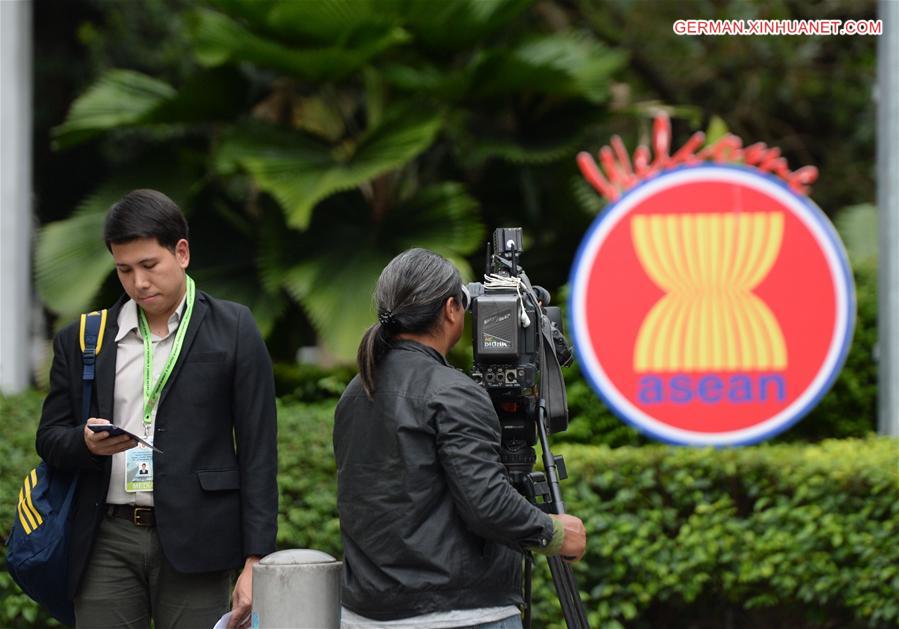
(138, 516)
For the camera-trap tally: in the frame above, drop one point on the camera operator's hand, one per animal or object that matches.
(574, 543)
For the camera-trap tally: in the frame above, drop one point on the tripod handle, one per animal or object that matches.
(549, 461)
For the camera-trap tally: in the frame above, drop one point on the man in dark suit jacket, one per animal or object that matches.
(204, 396)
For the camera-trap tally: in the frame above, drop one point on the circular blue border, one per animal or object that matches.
(817, 214)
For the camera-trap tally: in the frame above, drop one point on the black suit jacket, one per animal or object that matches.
(215, 486)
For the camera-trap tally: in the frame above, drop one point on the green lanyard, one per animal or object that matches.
(151, 393)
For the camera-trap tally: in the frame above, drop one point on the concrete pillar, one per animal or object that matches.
(888, 205)
(15, 195)
(296, 588)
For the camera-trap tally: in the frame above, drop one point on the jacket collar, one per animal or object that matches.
(415, 346)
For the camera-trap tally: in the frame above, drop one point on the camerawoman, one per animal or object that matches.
(433, 530)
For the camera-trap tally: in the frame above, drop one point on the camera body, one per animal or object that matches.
(519, 350)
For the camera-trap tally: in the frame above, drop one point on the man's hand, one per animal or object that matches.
(575, 542)
(101, 444)
(242, 599)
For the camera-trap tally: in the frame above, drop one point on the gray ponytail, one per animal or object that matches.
(409, 298)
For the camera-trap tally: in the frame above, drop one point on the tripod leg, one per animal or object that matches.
(528, 567)
(566, 589)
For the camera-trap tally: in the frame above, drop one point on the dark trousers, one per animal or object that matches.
(128, 581)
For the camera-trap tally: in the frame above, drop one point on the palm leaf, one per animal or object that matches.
(71, 261)
(474, 150)
(556, 132)
(457, 25)
(346, 22)
(299, 171)
(426, 79)
(344, 253)
(226, 260)
(337, 296)
(442, 218)
(120, 98)
(322, 21)
(218, 39)
(236, 278)
(560, 64)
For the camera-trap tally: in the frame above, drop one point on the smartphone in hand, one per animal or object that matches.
(115, 431)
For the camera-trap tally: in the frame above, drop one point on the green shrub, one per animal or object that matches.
(786, 535)
(310, 383)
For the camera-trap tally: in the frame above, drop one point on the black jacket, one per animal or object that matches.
(215, 503)
(428, 517)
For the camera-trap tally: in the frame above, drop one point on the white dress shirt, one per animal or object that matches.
(128, 406)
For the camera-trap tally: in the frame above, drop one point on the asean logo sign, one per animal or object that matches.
(711, 304)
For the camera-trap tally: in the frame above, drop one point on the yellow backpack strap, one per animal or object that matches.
(99, 335)
(93, 325)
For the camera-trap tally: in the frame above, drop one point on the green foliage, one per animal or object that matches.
(783, 535)
(219, 39)
(299, 170)
(310, 383)
(810, 96)
(282, 111)
(774, 535)
(331, 136)
(307, 515)
(121, 98)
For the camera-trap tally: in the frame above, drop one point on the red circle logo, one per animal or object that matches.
(711, 305)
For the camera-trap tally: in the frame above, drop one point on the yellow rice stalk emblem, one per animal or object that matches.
(708, 266)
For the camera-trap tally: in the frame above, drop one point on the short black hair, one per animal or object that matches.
(145, 214)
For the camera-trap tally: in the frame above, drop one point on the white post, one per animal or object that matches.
(888, 204)
(296, 588)
(15, 195)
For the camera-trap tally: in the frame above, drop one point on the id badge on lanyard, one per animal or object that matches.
(139, 469)
(139, 460)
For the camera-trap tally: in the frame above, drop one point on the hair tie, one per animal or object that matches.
(386, 318)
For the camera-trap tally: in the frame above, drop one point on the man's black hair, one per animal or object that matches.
(145, 214)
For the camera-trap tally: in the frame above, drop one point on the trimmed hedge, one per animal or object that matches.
(768, 536)
(775, 536)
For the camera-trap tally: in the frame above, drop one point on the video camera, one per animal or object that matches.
(519, 350)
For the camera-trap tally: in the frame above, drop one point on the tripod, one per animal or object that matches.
(544, 492)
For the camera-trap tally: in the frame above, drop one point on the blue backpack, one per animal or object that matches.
(37, 554)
